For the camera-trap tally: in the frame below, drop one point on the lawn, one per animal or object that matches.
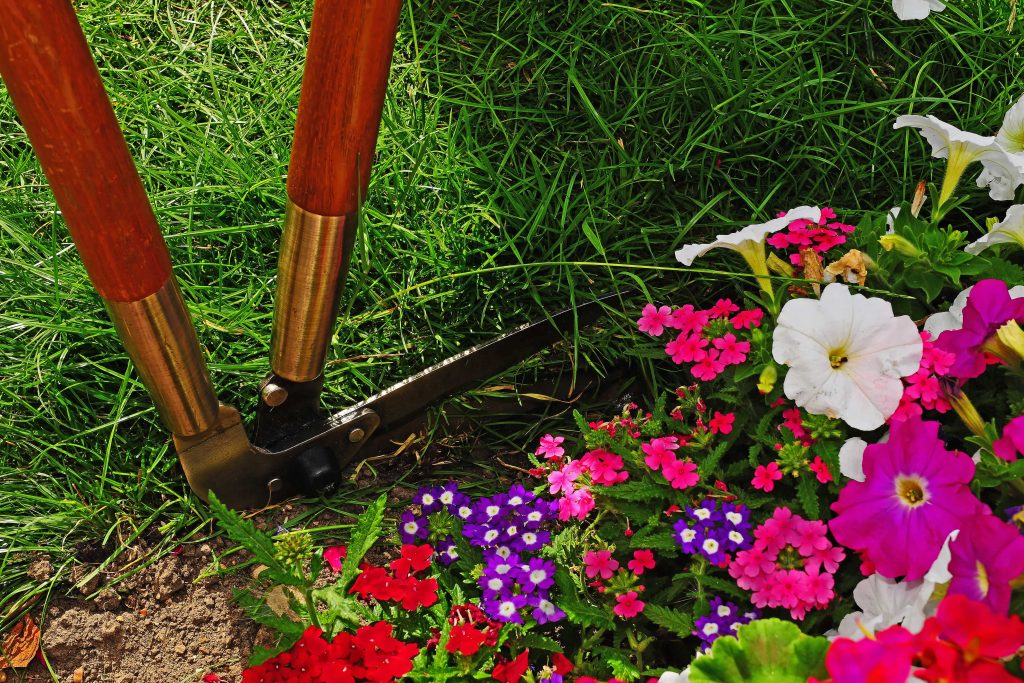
(532, 154)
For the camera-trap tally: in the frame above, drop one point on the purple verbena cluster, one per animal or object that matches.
(507, 528)
(413, 528)
(723, 620)
(714, 531)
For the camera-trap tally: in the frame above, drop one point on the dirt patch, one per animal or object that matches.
(165, 624)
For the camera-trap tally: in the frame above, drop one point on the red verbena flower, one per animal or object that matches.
(511, 672)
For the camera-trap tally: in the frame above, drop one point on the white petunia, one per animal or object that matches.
(961, 148)
(670, 677)
(1010, 230)
(846, 354)
(1011, 134)
(909, 10)
(953, 319)
(885, 603)
(939, 571)
(749, 241)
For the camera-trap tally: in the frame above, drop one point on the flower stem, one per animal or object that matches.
(314, 618)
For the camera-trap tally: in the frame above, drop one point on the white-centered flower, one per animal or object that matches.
(749, 241)
(961, 148)
(953, 319)
(846, 354)
(1010, 230)
(909, 10)
(885, 603)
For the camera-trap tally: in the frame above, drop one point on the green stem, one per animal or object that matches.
(311, 608)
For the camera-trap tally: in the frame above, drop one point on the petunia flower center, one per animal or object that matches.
(912, 491)
(982, 578)
(837, 358)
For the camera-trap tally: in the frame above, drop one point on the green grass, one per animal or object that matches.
(532, 154)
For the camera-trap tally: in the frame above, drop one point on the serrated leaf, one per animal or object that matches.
(655, 537)
(639, 490)
(807, 490)
(676, 621)
(258, 543)
(763, 651)
(366, 532)
(537, 641)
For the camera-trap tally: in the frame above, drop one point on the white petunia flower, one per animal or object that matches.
(961, 148)
(909, 10)
(749, 241)
(1011, 134)
(851, 458)
(681, 677)
(885, 603)
(953, 319)
(1007, 231)
(846, 354)
(939, 571)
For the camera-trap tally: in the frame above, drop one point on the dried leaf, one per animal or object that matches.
(812, 269)
(852, 267)
(20, 644)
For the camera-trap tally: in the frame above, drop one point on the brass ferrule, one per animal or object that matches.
(315, 251)
(158, 335)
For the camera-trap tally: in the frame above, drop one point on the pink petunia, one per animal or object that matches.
(550, 447)
(629, 605)
(765, 477)
(989, 306)
(641, 562)
(600, 563)
(1012, 441)
(721, 423)
(986, 556)
(654, 319)
(914, 493)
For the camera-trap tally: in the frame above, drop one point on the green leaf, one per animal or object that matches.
(655, 537)
(258, 543)
(641, 489)
(764, 651)
(364, 535)
(676, 621)
(807, 491)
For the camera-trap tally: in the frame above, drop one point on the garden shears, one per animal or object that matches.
(291, 446)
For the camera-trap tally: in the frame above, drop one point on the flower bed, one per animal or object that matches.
(832, 492)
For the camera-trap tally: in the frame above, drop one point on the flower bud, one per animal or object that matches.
(766, 380)
(900, 244)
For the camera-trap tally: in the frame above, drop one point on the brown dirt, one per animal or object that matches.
(164, 624)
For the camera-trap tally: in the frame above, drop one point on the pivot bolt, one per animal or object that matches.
(274, 395)
(356, 435)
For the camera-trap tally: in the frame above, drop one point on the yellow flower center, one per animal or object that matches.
(982, 578)
(837, 357)
(911, 491)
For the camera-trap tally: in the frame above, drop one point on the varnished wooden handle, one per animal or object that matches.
(343, 88)
(56, 89)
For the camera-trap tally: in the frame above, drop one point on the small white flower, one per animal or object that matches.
(846, 354)
(1007, 231)
(885, 603)
(961, 148)
(851, 458)
(953, 319)
(908, 10)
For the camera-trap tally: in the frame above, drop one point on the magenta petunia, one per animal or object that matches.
(988, 308)
(987, 554)
(1012, 441)
(914, 493)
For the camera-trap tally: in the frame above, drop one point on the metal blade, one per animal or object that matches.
(407, 400)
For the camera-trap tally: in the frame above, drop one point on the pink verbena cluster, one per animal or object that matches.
(805, 234)
(659, 455)
(573, 479)
(791, 564)
(707, 338)
(923, 390)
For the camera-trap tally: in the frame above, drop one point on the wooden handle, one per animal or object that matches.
(343, 88)
(56, 89)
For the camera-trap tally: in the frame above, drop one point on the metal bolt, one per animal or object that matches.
(274, 395)
(275, 484)
(356, 435)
